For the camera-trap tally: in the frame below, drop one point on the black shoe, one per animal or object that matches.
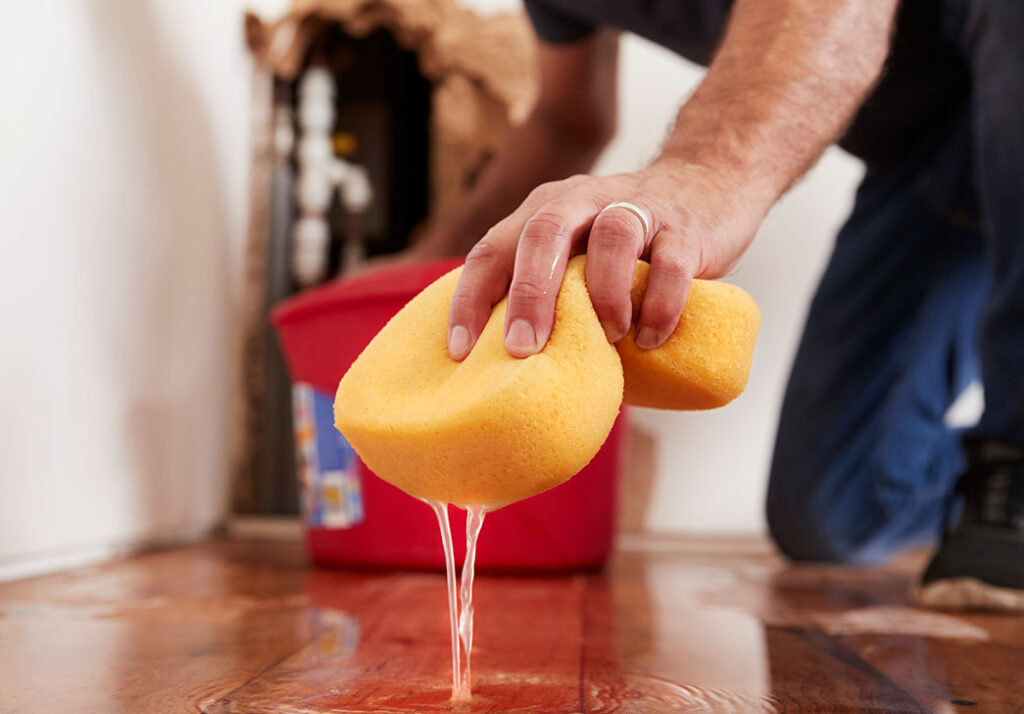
(980, 564)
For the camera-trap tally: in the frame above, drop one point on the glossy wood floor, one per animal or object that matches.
(672, 626)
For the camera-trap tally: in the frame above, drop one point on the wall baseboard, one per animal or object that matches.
(279, 528)
(86, 554)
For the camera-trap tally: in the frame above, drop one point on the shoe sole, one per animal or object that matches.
(967, 594)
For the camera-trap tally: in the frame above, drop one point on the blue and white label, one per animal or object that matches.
(331, 491)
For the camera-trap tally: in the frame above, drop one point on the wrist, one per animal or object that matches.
(758, 193)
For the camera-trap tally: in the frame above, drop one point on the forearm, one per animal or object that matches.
(539, 150)
(787, 79)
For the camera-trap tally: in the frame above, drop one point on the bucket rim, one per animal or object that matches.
(403, 283)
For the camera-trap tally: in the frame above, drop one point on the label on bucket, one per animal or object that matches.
(331, 492)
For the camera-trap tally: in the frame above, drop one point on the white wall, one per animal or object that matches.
(123, 132)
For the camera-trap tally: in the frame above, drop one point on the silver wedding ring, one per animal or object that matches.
(641, 213)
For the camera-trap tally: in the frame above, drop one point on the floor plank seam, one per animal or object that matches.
(837, 649)
(280, 660)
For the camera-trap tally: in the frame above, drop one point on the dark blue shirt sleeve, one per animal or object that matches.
(554, 25)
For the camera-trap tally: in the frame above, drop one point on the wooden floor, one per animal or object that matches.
(672, 626)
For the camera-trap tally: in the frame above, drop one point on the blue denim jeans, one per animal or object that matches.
(923, 294)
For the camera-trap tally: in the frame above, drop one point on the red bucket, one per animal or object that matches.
(354, 518)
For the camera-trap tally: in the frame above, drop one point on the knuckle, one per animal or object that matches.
(463, 296)
(545, 228)
(484, 253)
(528, 292)
(604, 294)
(673, 267)
(684, 219)
(463, 303)
(544, 190)
(613, 229)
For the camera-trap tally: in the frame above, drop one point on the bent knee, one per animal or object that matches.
(801, 535)
(809, 528)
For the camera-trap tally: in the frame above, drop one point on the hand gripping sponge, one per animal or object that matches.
(495, 429)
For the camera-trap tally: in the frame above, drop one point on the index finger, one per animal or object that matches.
(544, 248)
(484, 280)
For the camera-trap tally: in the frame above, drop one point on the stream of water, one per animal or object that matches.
(460, 610)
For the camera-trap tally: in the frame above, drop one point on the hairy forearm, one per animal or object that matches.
(786, 80)
(541, 149)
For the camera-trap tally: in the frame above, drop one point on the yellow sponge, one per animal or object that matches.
(494, 429)
(706, 361)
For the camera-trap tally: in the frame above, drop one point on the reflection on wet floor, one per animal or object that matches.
(671, 626)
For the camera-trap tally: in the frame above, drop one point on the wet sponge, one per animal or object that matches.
(494, 429)
(706, 361)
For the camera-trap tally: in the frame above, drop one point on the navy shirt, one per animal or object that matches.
(923, 90)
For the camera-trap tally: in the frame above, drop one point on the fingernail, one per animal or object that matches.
(647, 338)
(521, 339)
(612, 331)
(458, 342)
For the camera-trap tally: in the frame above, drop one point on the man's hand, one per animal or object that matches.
(786, 80)
(696, 230)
